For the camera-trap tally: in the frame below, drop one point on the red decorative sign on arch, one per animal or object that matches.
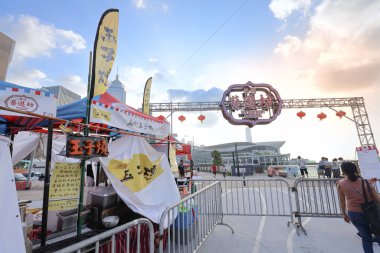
(251, 104)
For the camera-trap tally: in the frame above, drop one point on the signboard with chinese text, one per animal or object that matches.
(64, 186)
(27, 100)
(251, 104)
(369, 162)
(84, 147)
(127, 118)
(104, 51)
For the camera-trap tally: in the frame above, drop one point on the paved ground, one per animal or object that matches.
(268, 234)
(272, 235)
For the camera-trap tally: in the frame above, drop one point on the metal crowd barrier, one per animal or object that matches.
(254, 197)
(316, 198)
(123, 238)
(190, 222)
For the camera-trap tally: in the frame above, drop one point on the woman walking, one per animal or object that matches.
(350, 191)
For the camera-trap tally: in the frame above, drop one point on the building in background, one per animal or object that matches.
(64, 96)
(253, 157)
(7, 46)
(248, 135)
(117, 89)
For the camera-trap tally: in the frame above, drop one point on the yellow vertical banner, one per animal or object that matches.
(64, 186)
(146, 98)
(105, 46)
(173, 157)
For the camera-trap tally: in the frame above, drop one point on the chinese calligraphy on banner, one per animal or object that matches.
(104, 51)
(29, 101)
(146, 98)
(141, 176)
(64, 186)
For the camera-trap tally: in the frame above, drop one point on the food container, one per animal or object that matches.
(110, 221)
(68, 219)
(103, 197)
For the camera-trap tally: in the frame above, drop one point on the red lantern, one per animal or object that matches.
(341, 114)
(301, 114)
(321, 116)
(161, 117)
(201, 118)
(181, 118)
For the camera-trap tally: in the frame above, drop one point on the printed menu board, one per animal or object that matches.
(64, 186)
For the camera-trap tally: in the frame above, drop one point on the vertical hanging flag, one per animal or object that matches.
(105, 46)
(146, 98)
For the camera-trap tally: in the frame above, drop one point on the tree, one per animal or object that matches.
(216, 157)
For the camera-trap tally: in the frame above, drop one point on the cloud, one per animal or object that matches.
(139, 4)
(29, 78)
(73, 83)
(165, 7)
(290, 46)
(283, 8)
(178, 95)
(340, 49)
(35, 39)
(153, 60)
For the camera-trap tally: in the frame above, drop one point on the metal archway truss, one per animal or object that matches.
(356, 104)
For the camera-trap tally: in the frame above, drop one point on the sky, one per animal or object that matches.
(194, 50)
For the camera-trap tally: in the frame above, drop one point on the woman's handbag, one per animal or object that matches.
(371, 210)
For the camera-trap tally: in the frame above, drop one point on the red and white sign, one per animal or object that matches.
(110, 111)
(369, 162)
(27, 100)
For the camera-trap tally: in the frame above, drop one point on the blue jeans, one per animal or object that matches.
(359, 221)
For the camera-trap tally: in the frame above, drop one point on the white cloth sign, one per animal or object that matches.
(28, 100)
(124, 117)
(141, 176)
(369, 162)
(11, 237)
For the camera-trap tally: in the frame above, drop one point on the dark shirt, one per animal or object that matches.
(181, 170)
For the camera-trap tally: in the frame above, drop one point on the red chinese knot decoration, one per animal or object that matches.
(181, 118)
(321, 116)
(201, 118)
(161, 117)
(301, 114)
(341, 114)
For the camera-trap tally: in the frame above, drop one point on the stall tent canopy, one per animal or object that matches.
(26, 99)
(105, 109)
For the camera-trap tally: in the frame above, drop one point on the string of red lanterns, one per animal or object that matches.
(322, 115)
(300, 114)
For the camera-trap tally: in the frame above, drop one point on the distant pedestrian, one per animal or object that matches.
(224, 170)
(327, 168)
(302, 164)
(213, 168)
(321, 168)
(181, 169)
(335, 168)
